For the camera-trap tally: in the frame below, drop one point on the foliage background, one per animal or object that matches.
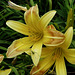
(22, 64)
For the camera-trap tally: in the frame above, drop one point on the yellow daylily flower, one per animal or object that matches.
(51, 55)
(5, 72)
(1, 58)
(38, 34)
(15, 6)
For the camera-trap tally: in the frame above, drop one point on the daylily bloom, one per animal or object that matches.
(15, 6)
(51, 55)
(38, 34)
(4, 72)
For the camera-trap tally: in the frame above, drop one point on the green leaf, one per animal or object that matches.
(56, 25)
(3, 48)
(71, 3)
(32, 2)
(3, 17)
(50, 4)
(15, 70)
(4, 42)
(67, 4)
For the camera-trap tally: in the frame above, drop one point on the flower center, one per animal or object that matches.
(35, 36)
(58, 52)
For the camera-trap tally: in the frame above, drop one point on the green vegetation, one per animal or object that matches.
(65, 16)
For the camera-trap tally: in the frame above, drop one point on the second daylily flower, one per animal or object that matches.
(56, 55)
(38, 34)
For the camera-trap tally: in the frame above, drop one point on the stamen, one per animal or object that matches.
(58, 52)
(35, 36)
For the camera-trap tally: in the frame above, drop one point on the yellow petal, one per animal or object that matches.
(70, 52)
(36, 52)
(15, 6)
(32, 17)
(1, 58)
(18, 47)
(46, 18)
(43, 66)
(53, 37)
(70, 55)
(28, 51)
(70, 59)
(18, 26)
(68, 38)
(5, 72)
(47, 51)
(60, 66)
